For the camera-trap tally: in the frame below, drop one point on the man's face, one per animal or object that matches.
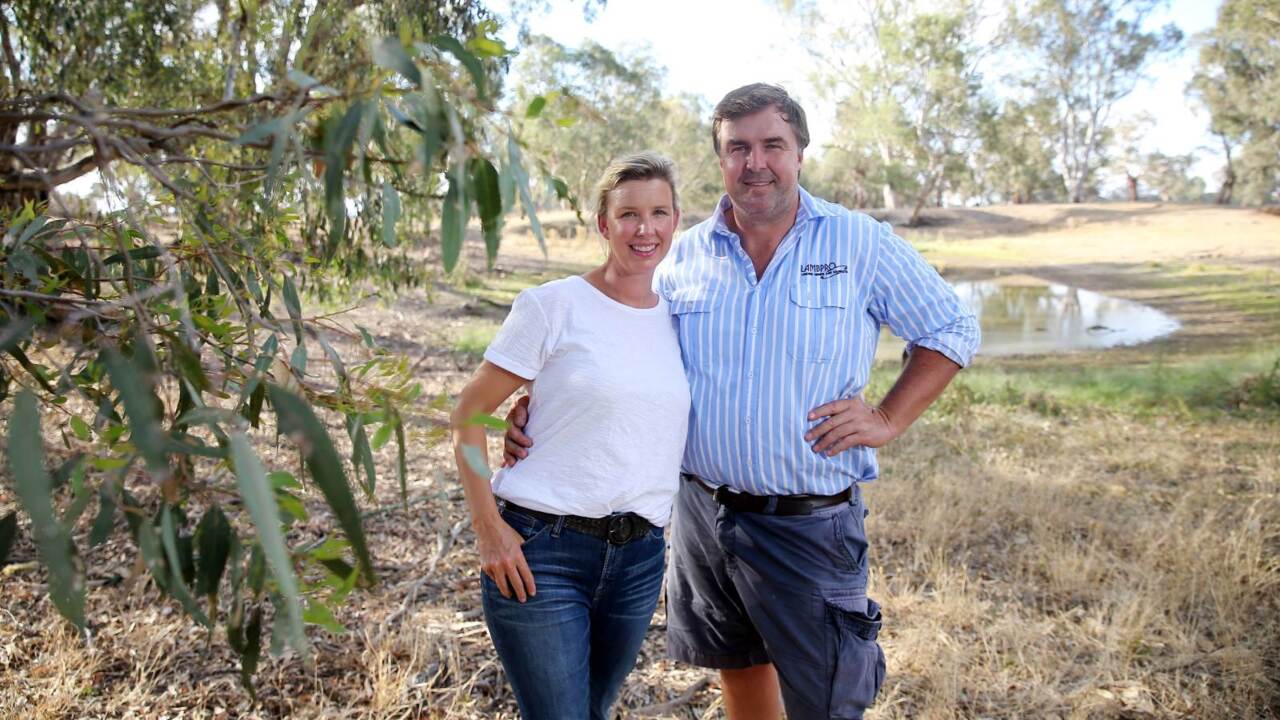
(760, 162)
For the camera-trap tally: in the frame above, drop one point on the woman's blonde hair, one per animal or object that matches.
(645, 165)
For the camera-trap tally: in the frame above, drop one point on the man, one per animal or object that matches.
(779, 298)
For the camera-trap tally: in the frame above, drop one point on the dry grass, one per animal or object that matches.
(1079, 567)
(1086, 563)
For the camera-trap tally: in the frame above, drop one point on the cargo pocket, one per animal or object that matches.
(858, 670)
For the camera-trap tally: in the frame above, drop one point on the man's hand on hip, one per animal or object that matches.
(848, 423)
(515, 443)
(853, 422)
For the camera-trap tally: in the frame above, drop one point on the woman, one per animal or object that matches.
(570, 540)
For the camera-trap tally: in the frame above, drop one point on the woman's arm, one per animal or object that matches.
(498, 544)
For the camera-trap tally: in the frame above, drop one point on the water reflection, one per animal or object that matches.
(1026, 315)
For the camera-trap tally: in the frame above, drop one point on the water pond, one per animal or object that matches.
(1025, 315)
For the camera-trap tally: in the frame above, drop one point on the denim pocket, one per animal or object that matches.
(858, 670)
(529, 527)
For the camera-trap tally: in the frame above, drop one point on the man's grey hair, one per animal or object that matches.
(645, 165)
(754, 98)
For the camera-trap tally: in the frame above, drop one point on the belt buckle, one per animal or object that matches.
(620, 529)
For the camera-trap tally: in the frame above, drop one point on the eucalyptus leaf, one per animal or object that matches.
(476, 460)
(488, 421)
(390, 53)
(390, 214)
(485, 188)
(468, 60)
(105, 522)
(130, 380)
(34, 489)
(294, 306)
(402, 465)
(177, 583)
(258, 497)
(213, 542)
(297, 419)
(521, 181)
(452, 224)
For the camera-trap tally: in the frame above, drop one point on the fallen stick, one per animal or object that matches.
(444, 545)
(680, 700)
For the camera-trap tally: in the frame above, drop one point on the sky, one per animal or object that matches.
(712, 46)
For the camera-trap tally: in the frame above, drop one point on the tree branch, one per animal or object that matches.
(41, 180)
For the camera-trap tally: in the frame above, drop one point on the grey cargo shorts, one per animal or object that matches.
(749, 588)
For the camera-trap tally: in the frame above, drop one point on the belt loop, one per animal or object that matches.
(771, 505)
(558, 526)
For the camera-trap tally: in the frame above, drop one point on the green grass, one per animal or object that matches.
(1244, 383)
(1254, 292)
(503, 287)
(472, 339)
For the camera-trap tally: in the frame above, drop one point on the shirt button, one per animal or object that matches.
(747, 420)
(753, 329)
(750, 374)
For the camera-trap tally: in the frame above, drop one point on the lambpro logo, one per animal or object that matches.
(823, 270)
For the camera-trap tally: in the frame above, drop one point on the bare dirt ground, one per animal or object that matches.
(1033, 562)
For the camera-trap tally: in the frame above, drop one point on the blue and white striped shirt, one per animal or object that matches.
(760, 354)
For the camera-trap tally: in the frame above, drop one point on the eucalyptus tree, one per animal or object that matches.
(149, 349)
(1085, 55)
(1015, 162)
(1170, 178)
(907, 83)
(1238, 79)
(600, 104)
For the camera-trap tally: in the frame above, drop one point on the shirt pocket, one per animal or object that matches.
(818, 313)
(695, 315)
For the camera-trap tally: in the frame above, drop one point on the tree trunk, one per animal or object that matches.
(1228, 175)
(925, 192)
(886, 189)
(229, 82)
(1132, 181)
(1082, 171)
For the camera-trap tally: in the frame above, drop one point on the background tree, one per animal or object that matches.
(1086, 55)
(600, 104)
(1239, 81)
(1129, 160)
(1170, 178)
(908, 92)
(1015, 162)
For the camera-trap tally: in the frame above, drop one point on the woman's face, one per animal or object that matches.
(638, 223)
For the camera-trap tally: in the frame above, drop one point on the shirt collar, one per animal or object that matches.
(810, 208)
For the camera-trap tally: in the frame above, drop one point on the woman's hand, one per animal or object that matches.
(503, 561)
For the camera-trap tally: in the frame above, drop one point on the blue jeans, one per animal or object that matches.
(567, 649)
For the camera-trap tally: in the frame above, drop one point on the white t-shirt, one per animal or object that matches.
(610, 403)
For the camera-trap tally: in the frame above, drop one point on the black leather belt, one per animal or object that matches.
(769, 504)
(618, 528)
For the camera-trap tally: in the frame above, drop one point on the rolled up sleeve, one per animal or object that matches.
(918, 305)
